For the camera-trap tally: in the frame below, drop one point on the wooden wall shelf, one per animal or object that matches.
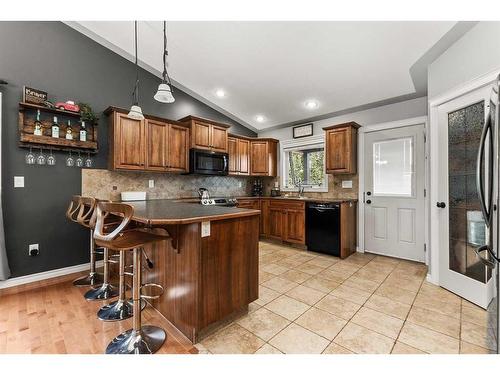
(27, 115)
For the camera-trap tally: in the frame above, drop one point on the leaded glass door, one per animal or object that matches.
(462, 226)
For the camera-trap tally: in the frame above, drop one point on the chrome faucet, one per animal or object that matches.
(300, 189)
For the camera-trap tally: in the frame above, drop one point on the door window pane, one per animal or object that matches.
(393, 167)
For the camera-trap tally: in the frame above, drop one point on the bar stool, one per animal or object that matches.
(84, 211)
(140, 339)
(106, 290)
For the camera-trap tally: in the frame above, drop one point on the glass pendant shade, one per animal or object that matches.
(135, 113)
(164, 94)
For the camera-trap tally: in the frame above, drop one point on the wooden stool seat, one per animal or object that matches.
(131, 239)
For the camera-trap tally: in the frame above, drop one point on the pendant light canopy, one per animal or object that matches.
(136, 111)
(164, 93)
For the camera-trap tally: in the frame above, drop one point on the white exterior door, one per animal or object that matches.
(461, 227)
(394, 192)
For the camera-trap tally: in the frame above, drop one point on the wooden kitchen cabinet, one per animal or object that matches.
(239, 156)
(153, 144)
(264, 157)
(341, 148)
(283, 220)
(207, 134)
(126, 143)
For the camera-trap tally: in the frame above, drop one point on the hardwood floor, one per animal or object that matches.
(57, 319)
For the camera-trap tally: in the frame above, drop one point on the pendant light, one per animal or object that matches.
(164, 93)
(136, 111)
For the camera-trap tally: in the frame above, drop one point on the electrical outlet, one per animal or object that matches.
(18, 181)
(347, 184)
(33, 250)
(151, 183)
(240, 184)
(205, 228)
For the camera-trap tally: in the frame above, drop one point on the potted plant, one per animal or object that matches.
(87, 114)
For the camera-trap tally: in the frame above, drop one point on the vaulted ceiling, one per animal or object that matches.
(271, 69)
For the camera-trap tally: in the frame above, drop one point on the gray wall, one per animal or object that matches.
(392, 112)
(53, 57)
(473, 55)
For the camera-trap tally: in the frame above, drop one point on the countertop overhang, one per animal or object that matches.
(169, 212)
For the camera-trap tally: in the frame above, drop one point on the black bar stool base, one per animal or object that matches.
(118, 310)
(106, 291)
(147, 340)
(94, 280)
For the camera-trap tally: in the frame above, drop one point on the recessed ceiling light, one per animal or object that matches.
(311, 104)
(260, 118)
(220, 93)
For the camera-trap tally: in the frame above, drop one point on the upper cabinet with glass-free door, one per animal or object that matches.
(341, 142)
(152, 144)
(207, 134)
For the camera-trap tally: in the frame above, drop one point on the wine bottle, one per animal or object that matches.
(55, 128)
(83, 132)
(69, 131)
(38, 125)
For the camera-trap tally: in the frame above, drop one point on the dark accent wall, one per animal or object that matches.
(55, 58)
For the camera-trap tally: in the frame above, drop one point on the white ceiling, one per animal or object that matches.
(272, 68)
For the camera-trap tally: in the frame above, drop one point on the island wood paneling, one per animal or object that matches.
(205, 279)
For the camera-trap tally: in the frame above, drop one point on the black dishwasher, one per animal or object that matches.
(323, 228)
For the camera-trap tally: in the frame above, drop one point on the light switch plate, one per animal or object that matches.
(347, 184)
(18, 181)
(151, 183)
(205, 228)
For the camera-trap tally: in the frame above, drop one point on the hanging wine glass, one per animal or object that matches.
(88, 161)
(79, 160)
(30, 157)
(41, 159)
(70, 162)
(51, 159)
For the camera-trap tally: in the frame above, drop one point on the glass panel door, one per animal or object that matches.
(467, 228)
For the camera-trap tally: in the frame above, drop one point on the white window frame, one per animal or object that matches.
(302, 144)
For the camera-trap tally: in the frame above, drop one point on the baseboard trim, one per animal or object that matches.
(28, 279)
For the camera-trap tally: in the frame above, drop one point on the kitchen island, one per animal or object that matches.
(209, 267)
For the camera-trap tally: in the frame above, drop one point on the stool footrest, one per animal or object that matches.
(151, 291)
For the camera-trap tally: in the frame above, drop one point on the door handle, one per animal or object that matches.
(440, 205)
(368, 201)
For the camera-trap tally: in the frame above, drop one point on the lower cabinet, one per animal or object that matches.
(283, 220)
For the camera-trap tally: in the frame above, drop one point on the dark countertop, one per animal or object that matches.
(167, 211)
(307, 199)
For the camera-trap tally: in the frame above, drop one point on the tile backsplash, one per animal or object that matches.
(100, 183)
(105, 184)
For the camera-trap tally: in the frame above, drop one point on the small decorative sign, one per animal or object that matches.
(301, 131)
(34, 96)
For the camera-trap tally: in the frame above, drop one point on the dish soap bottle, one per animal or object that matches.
(55, 128)
(83, 132)
(38, 125)
(69, 131)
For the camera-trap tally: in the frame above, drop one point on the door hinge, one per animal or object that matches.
(425, 192)
(425, 247)
(425, 136)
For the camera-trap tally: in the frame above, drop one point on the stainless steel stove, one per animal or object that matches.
(228, 202)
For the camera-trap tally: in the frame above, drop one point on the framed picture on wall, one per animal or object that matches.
(301, 131)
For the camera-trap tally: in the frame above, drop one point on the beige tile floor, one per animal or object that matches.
(314, 303)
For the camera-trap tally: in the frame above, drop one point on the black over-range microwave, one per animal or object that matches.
(208, 162)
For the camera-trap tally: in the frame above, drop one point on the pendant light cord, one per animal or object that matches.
(166, 77)
(136, 88)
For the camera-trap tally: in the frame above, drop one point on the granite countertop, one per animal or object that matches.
(167, 211)
(306, 199)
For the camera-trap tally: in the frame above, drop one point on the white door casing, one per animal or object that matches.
(394, 183)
